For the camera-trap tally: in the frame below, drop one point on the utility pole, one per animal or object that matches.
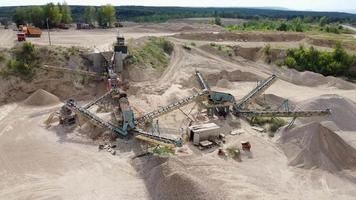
(49, 35)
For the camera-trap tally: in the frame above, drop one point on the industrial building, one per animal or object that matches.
(202, 132)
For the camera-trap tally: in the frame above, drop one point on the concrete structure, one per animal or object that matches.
(201, 132)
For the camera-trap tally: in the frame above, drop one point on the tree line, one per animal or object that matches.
(335, 63)
(299, 24)
(57, 15)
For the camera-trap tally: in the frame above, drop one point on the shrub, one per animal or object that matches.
(336, 63)
(282, 27)
(290, 62)
(24, 61)
(217, 21)
(276, 123)
(154, 53)
(193, 44)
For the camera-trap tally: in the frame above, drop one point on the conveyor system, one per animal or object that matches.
(308, 113)
(72, 71)
(99, 99)
(169, 108)
(201, 81)
(261, 87)
(71, 104)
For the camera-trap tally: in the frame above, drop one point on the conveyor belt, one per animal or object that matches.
(201, 81)
(119, 131)
(95, 119)
(99, 99)
(309, 113)
(169, 108)
(73, 71)
(159, 138)
(255, 92)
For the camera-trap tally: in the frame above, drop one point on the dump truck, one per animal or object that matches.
(21, 37)
(31, 31)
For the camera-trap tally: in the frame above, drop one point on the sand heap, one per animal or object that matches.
(312, 79)
(314, 145)
(273, 101)
(168, 179)
(230, 76)
(343, 110)
(41, 98)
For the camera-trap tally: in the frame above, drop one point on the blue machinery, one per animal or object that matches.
(216, 103)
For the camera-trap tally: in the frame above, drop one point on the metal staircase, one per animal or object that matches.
(263, 86)
(169, 108)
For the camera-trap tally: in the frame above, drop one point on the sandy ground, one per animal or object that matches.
(40, 163)
(7, 38)
(37, 163)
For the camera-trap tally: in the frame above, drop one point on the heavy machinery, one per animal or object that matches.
(216, 103)
(240, 108)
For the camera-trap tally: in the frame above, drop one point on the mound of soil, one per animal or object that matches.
(168, 179)
(343, 110)
(231, 76)
(313, 145)
(313, 79)
(273, 101)
(42, 98)
(249, 53)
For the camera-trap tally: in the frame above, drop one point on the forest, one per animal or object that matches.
(161, 14)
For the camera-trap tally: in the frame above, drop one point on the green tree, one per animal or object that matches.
(89, 15)
(217, 21)
(21, 16)
(298, 24)
(323, 21)
(37, 16)
(66, 13)
(53, 14)
(106, 15)
(282, 27)
(24, 62)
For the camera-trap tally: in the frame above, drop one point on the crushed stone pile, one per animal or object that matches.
(343, 110)
(314, 145)
(168, 179)
(41, 98)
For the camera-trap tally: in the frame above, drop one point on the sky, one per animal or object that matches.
(316, 5)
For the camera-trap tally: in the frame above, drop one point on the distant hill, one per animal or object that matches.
(140, 13)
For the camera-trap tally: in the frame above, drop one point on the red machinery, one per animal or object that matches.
(21, 37)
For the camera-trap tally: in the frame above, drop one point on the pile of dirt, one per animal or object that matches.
(243, 37)
(343, 110)
(249, 53)
(312, 79)
(168, 179)
(273, 101)
(314, 145)
(231, 76)
(330, 43)
(41, 98)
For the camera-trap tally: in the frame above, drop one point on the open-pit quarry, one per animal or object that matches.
(312, 156)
